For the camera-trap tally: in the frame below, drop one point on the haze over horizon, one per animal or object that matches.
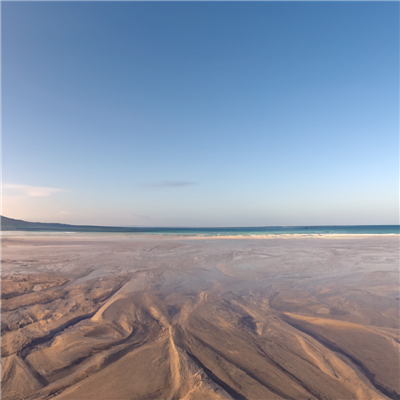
(200, 113)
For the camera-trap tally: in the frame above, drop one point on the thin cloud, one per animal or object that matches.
(142, 216)
(170, 184)
(31, 191)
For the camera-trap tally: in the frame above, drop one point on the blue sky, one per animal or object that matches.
(201, 113)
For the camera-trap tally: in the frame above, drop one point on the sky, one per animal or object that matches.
(200, 113)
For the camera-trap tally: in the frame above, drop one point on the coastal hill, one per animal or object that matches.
(10, 224)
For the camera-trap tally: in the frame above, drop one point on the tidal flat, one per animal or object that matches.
(119, 316)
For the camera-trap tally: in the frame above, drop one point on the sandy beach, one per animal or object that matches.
(122, 316)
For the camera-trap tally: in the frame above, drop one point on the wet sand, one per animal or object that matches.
(117, 316)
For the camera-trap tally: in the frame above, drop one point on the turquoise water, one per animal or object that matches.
(238, 231)
(274, 230)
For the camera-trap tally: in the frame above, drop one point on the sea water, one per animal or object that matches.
(275, 230)
(222, 231)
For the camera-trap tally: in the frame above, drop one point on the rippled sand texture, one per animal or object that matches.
(135, 317)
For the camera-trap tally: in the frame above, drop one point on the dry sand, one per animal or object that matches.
(100, 316)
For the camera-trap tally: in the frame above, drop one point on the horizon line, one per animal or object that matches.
(198, 227)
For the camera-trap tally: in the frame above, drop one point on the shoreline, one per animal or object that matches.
(14, 234)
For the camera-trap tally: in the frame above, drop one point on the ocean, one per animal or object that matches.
(12, 225)
(274, 230)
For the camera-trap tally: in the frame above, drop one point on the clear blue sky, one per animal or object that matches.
(201, 113)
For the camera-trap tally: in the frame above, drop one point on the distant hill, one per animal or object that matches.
(10, 224)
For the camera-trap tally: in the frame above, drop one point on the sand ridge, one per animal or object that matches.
(134, 317)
